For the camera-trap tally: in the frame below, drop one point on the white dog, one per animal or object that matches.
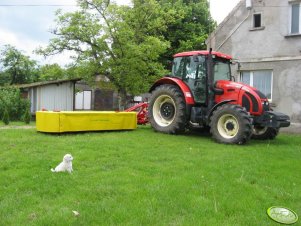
(66, 165)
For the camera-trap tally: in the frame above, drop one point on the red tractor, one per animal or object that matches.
(200, 91)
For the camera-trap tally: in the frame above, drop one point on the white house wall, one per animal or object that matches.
(55, 97)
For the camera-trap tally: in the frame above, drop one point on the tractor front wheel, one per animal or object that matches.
(230, 124)
(167, 110)
(264, 133)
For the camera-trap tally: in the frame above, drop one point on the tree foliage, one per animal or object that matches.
(50, 72)
(129, 44)
(121, 42)
(190, 28)
(16, 68)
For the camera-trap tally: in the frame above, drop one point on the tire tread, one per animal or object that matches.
(179, 123)
(242, 115)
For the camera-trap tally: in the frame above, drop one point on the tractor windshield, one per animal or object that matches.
(222, 69)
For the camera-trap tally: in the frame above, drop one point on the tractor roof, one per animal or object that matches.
(203, 52)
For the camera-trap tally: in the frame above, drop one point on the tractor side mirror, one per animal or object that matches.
(236, 62)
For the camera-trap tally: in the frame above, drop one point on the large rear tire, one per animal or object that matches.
(264, 133)
(230, 124)
(167, 110)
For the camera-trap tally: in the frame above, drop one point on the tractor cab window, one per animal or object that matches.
(192, 70)
(178, 67)
(195, 77)
(188, 67)
(222, 70)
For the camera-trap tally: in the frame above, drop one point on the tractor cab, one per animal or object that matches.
(192, 68)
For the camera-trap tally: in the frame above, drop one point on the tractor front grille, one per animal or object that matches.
(246, 103)
(250, 102)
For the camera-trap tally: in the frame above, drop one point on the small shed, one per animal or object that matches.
(50, 95)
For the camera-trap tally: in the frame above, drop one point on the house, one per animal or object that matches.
(50, 95)
(265, 37)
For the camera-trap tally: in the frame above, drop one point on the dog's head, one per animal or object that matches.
(68, 158)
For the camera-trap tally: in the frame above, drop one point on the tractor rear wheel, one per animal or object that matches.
(230, 124)
(264, 133)
(167, 110)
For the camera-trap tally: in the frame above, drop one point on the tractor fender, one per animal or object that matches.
(177, 82)
(210, 112)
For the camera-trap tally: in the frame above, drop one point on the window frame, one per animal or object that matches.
(84, 100)
(252, 79)
(291, 18)
(252, 23)
(254, 15)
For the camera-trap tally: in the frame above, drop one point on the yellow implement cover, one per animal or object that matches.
(75, 121)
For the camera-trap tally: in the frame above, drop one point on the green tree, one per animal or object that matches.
(121, 42)
(16, 67)
(128, 44)
(190, 28)
(4, 78)
(50, 72)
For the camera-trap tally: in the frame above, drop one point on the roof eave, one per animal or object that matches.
(45, 83)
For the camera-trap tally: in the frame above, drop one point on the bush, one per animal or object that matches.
(5, 117)
(27, 116)
(10, 99)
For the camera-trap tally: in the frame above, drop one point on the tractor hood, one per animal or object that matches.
(230, 85)
(249, 97)
(236, 85)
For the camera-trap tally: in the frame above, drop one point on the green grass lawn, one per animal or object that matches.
(16, 123)
(145, 178)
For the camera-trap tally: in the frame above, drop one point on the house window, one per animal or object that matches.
(262, 80)
(257, 20)
(295, 18)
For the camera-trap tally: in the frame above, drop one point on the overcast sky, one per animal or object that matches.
(27, 27)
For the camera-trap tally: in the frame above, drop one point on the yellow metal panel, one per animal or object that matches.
(88, 121)
(47, 121)
(70, 121)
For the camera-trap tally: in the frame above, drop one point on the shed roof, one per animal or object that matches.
(45, 83)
